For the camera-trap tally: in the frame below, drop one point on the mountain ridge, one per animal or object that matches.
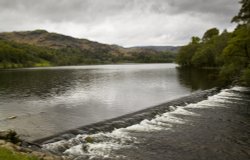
(58, 49)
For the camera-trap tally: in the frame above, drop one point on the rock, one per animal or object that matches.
(9, 146)
(62, 148)
(2, 142)
(10, 136)
(172, 108)
(38, 154)
(49, 158)
(67, 136)
(12, 117)
(26, 150)
(89, 139)
(82, 157)
(17, 148)
(85, 148)
(42, 155)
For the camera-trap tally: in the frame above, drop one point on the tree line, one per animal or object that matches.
(17, 55)
(227, 51)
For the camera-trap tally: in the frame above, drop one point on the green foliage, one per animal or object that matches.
(13, 55)
(204, 56)
(195, 40)
(16, 55)
(220, 43)
(229, 73)
(236, 55)
(245, 78)
(184, 58)
(228, 51)
(244, 13)
(89, 139)
(6, 154)
(162, 57)
(238, 48)
(210, 34)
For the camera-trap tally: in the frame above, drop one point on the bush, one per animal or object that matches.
(246, 77)
(229, 73)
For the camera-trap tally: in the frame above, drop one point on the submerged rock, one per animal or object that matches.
(12, 117)
(89, 139)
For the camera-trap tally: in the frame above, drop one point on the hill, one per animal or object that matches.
(42, 48)
(173, 49)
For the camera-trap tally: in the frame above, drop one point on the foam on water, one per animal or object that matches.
(227, 94)
(101, 145)
(215, 101)
(182, 111)
(104, 143)
(75, 150)
(241, 89)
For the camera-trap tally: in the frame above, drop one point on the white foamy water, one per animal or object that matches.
(241, 89)
(101, 145)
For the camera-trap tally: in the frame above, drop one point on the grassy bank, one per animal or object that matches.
(7, 154)
(13, 148)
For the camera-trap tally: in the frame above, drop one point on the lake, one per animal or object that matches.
(38, 102)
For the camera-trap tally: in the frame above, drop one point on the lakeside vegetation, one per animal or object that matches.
(13, 148)
(41, 48)
(7, 154)
(14, 55)
(228, 51)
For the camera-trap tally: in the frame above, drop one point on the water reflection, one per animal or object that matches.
(197, 79)
(35, 83)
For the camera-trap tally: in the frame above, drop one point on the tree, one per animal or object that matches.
(244, 13)
(184, 58)
(237, 53)
(195, 40)
(236, 56)
(228, 51)
(204, 57)
(210, 34)
(220, 43)
(238, 48)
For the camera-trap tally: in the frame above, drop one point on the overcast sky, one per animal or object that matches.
(122, 22)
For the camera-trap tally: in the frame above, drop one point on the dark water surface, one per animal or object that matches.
(50, 100)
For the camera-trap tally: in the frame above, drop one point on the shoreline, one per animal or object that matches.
(77, 65)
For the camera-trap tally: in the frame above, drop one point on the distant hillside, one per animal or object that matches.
(42, 48)
(174, 49)
(43, 38)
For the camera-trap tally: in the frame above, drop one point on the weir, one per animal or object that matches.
(128, 119)
(210, 123)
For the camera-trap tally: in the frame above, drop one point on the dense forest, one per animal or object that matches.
(227, 51)
(41, 48)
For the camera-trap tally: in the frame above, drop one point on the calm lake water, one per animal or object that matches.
(54, 99)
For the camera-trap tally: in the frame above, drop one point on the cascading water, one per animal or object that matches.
(131, 142)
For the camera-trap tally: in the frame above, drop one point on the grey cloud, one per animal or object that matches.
(125, 22)
(70, 10)
(223, 7)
